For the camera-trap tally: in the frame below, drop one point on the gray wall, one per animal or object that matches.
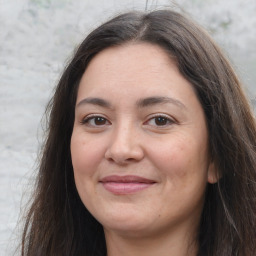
(36, 39)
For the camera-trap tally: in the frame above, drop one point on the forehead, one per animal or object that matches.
(140, 65)
(132, 55)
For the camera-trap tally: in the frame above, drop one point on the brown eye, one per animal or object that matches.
(99, 120)
(160, 120)
(95, 121)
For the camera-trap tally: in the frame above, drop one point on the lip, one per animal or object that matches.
(129, 184)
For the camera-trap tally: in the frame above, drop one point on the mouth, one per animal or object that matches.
(121, 185)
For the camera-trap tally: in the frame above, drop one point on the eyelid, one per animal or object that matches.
(85, 120)
(169, 118)
(89, 117)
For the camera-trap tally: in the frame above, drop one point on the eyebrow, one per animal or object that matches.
(141, 103)
(95, 101)
(159, 100)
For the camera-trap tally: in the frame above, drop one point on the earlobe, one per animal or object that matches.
(212, 174)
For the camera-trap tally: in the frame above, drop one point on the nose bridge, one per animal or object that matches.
(124, 143)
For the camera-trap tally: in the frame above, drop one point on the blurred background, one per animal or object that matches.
(37, 38)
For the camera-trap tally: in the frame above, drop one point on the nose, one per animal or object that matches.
(124, 146)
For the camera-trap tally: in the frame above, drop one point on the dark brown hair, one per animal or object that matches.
(59, 224)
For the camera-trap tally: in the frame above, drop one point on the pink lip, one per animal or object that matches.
(129, 184)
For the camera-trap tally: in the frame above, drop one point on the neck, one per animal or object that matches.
(178, 244)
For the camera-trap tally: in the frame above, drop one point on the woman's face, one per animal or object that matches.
(140, 143)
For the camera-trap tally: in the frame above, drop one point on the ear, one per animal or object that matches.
(212, 175)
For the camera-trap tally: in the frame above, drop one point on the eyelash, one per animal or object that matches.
(165, 118)
(87, 119)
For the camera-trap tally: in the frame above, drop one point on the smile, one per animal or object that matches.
(121, 185)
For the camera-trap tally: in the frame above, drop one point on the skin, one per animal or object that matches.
(121, 135)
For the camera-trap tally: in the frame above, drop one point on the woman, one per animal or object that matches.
(150, 149)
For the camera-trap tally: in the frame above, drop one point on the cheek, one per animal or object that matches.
(86, 155)
(180, 160)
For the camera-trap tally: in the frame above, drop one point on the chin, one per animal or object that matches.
(130, 231)
(128, 224)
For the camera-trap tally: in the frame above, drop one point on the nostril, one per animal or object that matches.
(119, 159)
(111, 160)
(130, 159)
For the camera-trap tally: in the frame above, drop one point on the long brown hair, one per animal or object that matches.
(59, 224)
